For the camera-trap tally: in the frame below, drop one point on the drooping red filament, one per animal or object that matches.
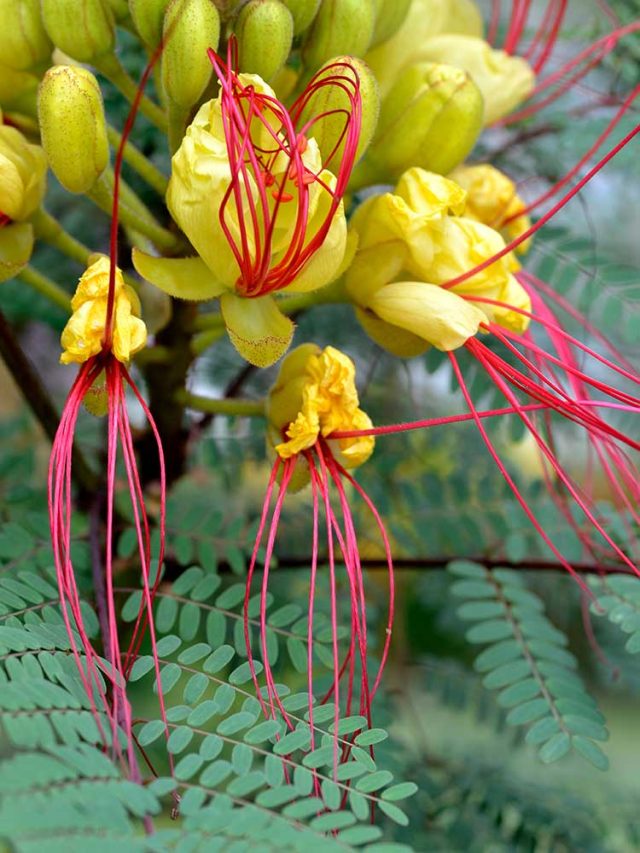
(327, 476)
(105, 682)
(265, 145)
(109, 700)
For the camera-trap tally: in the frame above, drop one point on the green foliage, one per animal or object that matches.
(526, 659)
(618, 598)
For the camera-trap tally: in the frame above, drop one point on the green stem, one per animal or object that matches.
(178, 117)
(102, 194)
(204, 340)
(46, 287)
(109, 65)
(139, 163)
(49, 229)
(240, 408)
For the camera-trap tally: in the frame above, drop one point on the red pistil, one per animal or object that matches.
(326, 475)
(262, 135)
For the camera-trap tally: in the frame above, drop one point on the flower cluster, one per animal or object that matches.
(320, 152)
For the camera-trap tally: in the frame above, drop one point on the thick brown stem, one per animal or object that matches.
(37, 397)
(164, 380)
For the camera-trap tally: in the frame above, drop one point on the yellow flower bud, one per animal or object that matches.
(148, 17)
(315, 395)
(504, 80)
(431, 118)
(23, 170)
(340, 27)
(413, 242)
(389, 16)
(330, 106)
(492, 198)
(23, 39)
(265, 33)
(72, 125)
(425, 18)
(83, 29)
(83, 336)
(190, 28)
(303, 13)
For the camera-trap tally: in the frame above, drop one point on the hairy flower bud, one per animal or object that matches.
(504, 80)
(190, 28)
(341, 26)
(329, 105)
(73, 128)
(265, 33)
(23, 39)
(389, 17)
(303, 13)
(83, 29)
(148, 17)
(430, 118)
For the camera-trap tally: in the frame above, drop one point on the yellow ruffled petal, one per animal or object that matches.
(84, 334)
(184, 278)
(315, 394)
(440, 317)
(257, 328)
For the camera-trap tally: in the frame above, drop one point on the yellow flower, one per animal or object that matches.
(492, 198)
(83, 336)
(411, 243)
(23, 169)
(314, 396)
(504, 80)
(252, 196)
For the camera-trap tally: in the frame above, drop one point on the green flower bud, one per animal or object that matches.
(190, 27)
(331, 104)
(265, 33)
(431, 118)
(303, 12)
(72, 125)
(83, 29)
(340, 27)
(148, 17)
(23, 39)
(390, 15)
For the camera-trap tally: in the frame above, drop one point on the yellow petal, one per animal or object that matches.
(16, 245)
(257, 328)
(440, 317)
(185, 278)
(395, 340)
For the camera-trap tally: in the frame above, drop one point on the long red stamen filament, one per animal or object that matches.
(548, 215)
(508, 478)
(628, 101)
(251, 167)
(571, 488)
